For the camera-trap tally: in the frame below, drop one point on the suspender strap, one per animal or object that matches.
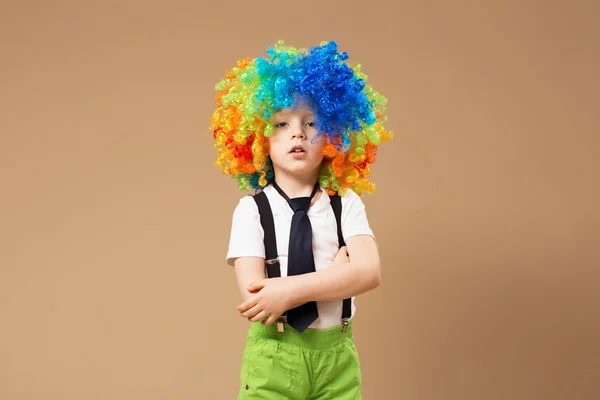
(336, 204)
(268, 224)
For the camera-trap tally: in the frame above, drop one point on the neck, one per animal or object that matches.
(296, 186)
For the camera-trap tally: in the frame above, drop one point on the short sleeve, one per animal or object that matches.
(354, 216)
(246, 236)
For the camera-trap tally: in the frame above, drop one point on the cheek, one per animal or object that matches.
(317, 140)
(320, 155)
(318, 143)
(275, 149)
(317, 152)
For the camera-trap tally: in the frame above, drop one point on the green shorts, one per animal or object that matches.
(314, 364)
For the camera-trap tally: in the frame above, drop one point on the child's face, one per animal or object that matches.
(294, 147)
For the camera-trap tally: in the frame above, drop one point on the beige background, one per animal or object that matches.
(114, 221)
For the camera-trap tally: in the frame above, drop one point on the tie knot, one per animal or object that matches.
(300, 204)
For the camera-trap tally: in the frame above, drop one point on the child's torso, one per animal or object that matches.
(325, 246)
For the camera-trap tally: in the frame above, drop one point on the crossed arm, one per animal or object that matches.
(356, 270)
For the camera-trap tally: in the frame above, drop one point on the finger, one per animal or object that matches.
(341, 258)
(343, 252)
(261, 315)
(251, 312)
(271, 320)
(246, 305)
(255, 286)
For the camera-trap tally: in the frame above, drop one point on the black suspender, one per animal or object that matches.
(270, 241)
(266, 220)
(336, 204)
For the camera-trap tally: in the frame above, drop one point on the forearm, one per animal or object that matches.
(248, 270)
(338, 282)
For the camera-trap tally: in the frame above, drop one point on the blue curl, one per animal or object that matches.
(321, 77)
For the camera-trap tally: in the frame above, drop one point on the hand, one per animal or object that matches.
(342, 256)
(270, 298)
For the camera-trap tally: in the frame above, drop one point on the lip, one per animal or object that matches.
(298, 147)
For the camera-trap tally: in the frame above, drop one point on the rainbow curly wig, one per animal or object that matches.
(349, 113)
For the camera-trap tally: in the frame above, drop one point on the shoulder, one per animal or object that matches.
(354, 216)
(246, 202)
(245, 208)
(350, 199)
(246, 238)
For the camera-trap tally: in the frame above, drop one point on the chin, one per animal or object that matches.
(300, 168)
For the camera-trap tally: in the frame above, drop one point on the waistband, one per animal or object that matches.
(311, 338)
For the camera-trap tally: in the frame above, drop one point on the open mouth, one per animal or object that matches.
(297, 150)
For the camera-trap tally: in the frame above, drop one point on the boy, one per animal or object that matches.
(303, 127)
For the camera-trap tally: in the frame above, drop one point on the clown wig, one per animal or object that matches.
(349, 114)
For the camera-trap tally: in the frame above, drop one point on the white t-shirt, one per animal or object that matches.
(246, 238)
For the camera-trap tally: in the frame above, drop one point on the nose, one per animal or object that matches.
(299, 134)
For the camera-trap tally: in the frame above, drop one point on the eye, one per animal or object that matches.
(280, 124)
(311, 124)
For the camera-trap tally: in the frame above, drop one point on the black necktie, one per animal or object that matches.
(300, 256)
